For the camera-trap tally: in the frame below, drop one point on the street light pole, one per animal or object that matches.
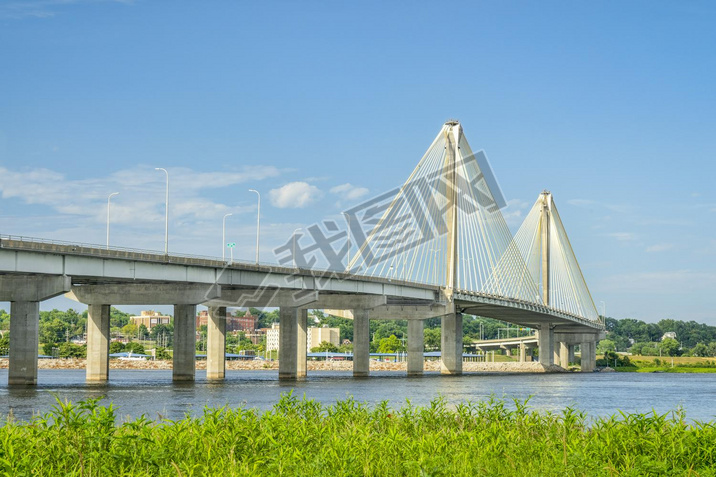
(258, 224)
(223, 237)
(166, 218)
(294, 246)
(108, 203)
(348, 262)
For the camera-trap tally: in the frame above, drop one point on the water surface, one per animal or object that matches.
(152, 392)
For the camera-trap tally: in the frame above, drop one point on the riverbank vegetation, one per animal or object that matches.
(304, 437)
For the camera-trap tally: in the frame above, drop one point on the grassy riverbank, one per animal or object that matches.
(300, 437)
(677, 364)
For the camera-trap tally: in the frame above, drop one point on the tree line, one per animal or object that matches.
(651, 339)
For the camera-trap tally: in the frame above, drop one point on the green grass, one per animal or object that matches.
(675, 369)
(305, 438)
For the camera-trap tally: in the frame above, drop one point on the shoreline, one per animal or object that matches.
(251, 365)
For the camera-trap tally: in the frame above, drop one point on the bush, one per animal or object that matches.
(116, 347)
(134, 347)
(71, 350)
(304, 437)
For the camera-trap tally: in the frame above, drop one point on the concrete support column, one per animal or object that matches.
(287, 343)
(24, 338)
(301, 343)
(184, 342)
(589, 356)
(361, 343)
(523, 353)
(545, 338)
(216, 343)
(451, 344)
(563, 354)
(556, 359)
(508, 351)
(416, 347)
(97, 367)
(571, 353)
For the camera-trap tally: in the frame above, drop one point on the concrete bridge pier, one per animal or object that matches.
(451, 344)
(571, 353)
(523, 353)
(25, 294)
(301, 343)
(416, 347)
(97, 367)
(288, 343)
(555, 355)
(589, 356)
(545, 337)
(24, 342)
(361, 343)
(216, 343)
(563, 354)
(184, 343)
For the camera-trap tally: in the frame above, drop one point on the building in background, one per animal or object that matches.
(314, 337)
(150, 319)
(245, 322)
(272, 337)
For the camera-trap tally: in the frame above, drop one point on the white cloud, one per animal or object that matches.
(141, 189)
(666, 283)
(593, 204)
(659, 247)
(44, 8)
(514, 212)
(623, 236)
(294, 195)
(348, 191)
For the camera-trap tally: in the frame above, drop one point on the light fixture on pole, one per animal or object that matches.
(231, 246)
(108, 204)
(223, 236)
(258, 224)
(166, 218)
(294, 246)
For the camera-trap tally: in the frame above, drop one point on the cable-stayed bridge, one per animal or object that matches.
(440, 248)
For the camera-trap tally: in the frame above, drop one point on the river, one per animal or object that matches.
(152, 392)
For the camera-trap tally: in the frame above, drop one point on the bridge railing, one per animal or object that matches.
(20, 241)
(78, 248)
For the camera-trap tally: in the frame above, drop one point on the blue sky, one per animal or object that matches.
(318, 105)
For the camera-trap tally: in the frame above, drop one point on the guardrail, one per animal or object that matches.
(19, 242)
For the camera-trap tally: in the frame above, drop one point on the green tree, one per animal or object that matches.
(116, 347)
(71, 350)
(700, 350)
(163, 334)
(325, 346)
(134, 347)
(390, 344)
(162, 354)
(129, 330)
(5, 344)
(432, 339)
(605, 345)
(669, 347)
(117, 318)
(4, 320)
